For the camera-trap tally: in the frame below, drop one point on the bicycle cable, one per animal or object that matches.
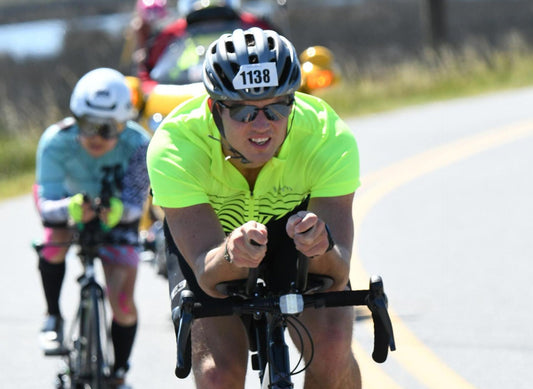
(291, 321)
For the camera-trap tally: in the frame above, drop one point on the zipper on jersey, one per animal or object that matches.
(251, 206)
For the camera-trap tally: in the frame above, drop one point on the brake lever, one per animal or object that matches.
(378, 303)
(182, 318)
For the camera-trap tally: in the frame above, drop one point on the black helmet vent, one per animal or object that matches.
(271, 43)
(218, 70)
(230, 48)
(250, 40)
(285, 72)
(234, 67)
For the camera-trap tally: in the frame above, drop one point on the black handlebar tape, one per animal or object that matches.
(182, 318)
(381, 339)
(338, 299)
(302, 270)
(183, 366)
(251, 282)
(229, 306)
(383, 335)
(224, 307)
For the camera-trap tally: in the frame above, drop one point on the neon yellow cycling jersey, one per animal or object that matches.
(319, 158)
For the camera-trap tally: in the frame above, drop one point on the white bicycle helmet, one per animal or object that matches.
(254, 64)
(102, 93)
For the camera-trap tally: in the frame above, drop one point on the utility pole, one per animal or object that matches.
(436, 15)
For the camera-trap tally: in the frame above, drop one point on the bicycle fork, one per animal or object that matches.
(272, 358)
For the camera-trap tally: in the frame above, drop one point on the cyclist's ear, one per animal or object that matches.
(214, 107)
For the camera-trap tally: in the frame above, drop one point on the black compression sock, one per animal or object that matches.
(123, 337)
(52, 275)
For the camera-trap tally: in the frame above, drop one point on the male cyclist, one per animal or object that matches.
(98, 149)
(247, 175)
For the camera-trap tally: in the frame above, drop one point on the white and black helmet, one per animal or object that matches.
(254, 64)
(102, 93)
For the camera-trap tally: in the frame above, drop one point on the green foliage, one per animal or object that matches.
(435, 76)
(17, 154)
(17, 158)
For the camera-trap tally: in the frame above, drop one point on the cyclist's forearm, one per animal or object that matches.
(54, 211)
(211, 268)
(335, 263)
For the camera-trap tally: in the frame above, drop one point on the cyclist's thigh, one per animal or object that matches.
(219, 352)
(56, 254)
(331, 330)
(334, 364)
(120, 281)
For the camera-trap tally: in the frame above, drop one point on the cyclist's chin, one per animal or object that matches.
(256, 160)
(98, 152)
(98, 148)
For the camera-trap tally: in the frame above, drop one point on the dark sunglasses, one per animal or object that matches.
(105, 128)
(247, 113)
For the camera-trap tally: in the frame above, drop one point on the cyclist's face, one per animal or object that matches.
(96, 144)
(259, 139)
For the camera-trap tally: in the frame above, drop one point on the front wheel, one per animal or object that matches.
(89, 367)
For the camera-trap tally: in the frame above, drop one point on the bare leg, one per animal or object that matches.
(219, 353)
(120, 281)
(333, 365)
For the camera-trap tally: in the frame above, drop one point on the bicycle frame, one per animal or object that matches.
(276, 372)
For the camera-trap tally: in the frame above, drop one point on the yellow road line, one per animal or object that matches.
(412, 354)
(372, 374)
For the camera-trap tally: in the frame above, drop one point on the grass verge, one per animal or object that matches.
(17, 185)
(17, 158)
(436, 76)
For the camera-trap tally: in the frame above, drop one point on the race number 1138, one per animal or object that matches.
(256, 75)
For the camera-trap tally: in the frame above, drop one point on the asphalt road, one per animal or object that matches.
(444, 215)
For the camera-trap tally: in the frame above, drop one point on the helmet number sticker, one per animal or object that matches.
(256, 75)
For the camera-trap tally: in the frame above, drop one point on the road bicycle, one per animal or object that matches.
(86, 350)
(272, 313)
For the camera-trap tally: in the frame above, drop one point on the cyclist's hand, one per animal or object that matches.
(309, 233)
(110, 216)
(246, 245)
(80, 209)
